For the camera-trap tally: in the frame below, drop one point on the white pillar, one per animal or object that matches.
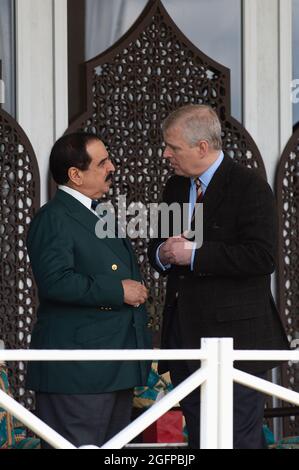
(267, 53)
(226, 363)
(41, 84)
(209, 406)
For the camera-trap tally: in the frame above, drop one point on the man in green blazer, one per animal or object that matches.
(91, 297)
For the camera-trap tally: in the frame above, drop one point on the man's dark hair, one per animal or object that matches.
(70, 151)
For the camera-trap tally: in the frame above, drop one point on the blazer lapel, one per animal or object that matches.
(216, 189)
(87, 219)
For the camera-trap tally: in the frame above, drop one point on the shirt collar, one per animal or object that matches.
(206, 177)
(85, 200)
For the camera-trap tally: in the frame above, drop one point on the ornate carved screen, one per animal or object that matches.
(131, 88)
(20, 198)
(287, 191)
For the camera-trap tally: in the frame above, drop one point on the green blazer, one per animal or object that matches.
(82, 302)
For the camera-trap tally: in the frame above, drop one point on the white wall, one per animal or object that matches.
(267, 53)
(42, 91)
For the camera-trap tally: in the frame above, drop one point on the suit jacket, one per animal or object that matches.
(81, 301)
(228, 292)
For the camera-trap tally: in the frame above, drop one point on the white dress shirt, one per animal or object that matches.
(85, 200)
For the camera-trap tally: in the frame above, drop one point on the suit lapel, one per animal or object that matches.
(216, 189)
(88, 220)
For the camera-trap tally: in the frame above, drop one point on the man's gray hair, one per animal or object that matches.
(197, 122)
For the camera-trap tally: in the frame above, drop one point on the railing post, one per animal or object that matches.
(225, 424)
(209, 396)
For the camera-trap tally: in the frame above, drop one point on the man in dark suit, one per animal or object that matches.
(91, 297)
(221, 288)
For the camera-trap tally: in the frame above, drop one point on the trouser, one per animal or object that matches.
(248, 405)
(248, 412)
(85, 419)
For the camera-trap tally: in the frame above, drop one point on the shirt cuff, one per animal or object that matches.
(193, 256)
(164, 267)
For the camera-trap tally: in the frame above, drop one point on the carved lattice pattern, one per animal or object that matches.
(19, 186)
(287, 190)
(131, 88)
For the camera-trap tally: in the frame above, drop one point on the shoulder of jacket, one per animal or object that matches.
(52, 209)
(245, 176)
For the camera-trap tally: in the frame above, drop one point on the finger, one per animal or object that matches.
(179, 240)
(145, 290)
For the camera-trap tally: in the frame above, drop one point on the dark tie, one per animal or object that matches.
(94, 204)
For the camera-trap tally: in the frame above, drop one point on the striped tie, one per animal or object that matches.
(199, 196)
(198, 190)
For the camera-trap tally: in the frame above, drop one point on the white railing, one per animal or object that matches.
(216, 377)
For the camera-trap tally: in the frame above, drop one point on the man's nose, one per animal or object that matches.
(112, 167)
(167, 153)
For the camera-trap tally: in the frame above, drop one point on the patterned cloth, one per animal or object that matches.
(7, 438)
(13, 435)
(288, 443)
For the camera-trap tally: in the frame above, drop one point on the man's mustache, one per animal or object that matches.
(109, 177)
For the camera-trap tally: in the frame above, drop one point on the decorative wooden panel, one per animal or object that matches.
(131, 88)
(287, 192)
(20, 198)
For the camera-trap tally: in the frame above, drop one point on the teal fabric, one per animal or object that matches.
(7, 438)
(288, 443)
(81, 301)
(13, 435)
(268, 436)
(146, 396)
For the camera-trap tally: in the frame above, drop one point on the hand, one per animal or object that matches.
(176, 250)
(135, 293)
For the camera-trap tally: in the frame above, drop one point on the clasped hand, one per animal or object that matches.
(135, 293)
(176, 250)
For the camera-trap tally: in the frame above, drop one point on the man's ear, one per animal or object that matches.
(75, 176)
(203, 147)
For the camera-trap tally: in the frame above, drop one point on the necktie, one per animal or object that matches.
(199, 196)
(198, 190)
(94, 204)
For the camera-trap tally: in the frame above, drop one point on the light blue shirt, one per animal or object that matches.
(205, 180)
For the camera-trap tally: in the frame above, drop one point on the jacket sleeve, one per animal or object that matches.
(156, 242)
(254, 252)
(51, 253)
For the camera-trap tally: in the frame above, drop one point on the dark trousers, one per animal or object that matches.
(85, 419)
(248, 405)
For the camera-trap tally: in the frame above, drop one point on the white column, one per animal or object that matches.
(41, 85)
(209, 406)
(225, 424)
(61, 118)
(267, 59)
